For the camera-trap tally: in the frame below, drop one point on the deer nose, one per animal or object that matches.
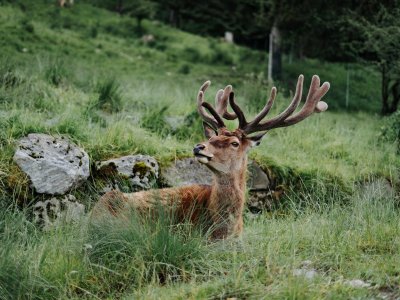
(198, 148)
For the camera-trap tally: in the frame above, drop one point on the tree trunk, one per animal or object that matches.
(396, 96)
(174, 17)
(385, 91)
(119, 7)
(347, 86)
(274, 57)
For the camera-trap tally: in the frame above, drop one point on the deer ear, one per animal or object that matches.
(255, 140)
(209, 132)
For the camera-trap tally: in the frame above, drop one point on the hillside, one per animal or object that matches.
(58, 60)
(88, 74)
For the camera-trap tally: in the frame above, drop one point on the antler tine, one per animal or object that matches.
(254, 126)
(312, 104)
(215, 120)
(216, 116)
(221, 103)
(240, 115)
(266, 108)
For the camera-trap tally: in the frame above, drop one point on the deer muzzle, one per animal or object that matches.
(201, 155)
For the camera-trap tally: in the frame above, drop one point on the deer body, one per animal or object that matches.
(225, 154)
(219, 205)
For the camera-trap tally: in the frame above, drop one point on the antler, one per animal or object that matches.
(285, 118)
(221, 104)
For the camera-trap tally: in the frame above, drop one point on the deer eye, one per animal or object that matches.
(235, 144)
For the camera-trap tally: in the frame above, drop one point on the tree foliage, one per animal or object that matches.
(139, 9)
(378, 42)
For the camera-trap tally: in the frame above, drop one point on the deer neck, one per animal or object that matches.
(228, 191)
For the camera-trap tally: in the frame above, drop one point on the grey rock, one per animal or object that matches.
(259, 201)
(307, 273)
(357, 283)
(257, 179)
(186, 171)
(306, 270)
(140, 170)
(51, 213)
(147, 38)
(306, 263)
(54, 165)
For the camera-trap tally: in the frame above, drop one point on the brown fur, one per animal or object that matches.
(219, 205)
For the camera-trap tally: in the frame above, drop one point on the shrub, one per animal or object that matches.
(220, 56)
(160, 46)
(184, 69)
(93, 32)
(27, 26)
(124, 28)
(192, 54)
(390, 131)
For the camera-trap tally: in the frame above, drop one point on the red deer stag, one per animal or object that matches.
(225, 154)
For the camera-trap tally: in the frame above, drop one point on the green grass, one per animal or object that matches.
(151, 259)
(65, 72)
(342, 243)
(98, 259)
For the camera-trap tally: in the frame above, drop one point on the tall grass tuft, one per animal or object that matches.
(142, 249)
(19, 276)
(155, 121)
(390, 131)
(56, 72)
(9, 77)
(110, 96)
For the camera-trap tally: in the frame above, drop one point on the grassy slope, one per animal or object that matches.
(58, 60)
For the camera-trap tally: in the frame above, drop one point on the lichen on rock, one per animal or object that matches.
(129, 173)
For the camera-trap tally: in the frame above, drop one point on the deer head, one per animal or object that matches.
(226, 151)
